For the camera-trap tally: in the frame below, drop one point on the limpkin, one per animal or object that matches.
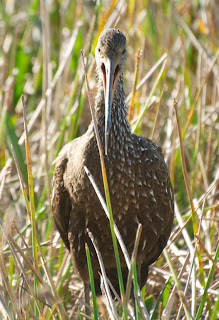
(139, 183)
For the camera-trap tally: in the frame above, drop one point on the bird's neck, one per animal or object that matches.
(120, 132)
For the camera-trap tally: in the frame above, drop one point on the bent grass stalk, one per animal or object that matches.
(122, 245)
(135, 126)
(106, 189)
(194, 218)
(112, 310)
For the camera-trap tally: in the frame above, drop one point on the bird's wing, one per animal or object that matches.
(61, 202)
(159, 177)
(159, 192)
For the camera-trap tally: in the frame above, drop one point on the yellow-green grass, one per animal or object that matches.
(177, 105)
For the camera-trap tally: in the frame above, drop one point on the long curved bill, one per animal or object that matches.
(109, 69)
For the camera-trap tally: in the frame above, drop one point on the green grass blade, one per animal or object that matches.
(178, 284)
(163, 297)
(21, 182)
(12, 139)
(112, 310)
(107, 195)
(203, 300)
(215, 312)
(95, 309)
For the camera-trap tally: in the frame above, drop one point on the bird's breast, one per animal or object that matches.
(136, 185)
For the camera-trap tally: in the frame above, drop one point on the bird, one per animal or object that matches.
(139, 182)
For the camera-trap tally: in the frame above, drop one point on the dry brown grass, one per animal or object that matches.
(40, 57)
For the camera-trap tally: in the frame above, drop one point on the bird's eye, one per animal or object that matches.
(99, 50)
(123, 52)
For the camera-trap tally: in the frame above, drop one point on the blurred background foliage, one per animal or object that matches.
(40, 43)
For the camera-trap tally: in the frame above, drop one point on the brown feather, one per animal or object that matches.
(139, 185)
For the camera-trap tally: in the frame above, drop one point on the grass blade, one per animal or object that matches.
(95, 309)
(203, 300)
(135, 126)
(108, 294)
(178, 284)
(107, 195)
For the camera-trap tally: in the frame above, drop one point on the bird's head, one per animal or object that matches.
(110, 56)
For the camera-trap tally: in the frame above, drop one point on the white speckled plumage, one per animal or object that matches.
(139, 184)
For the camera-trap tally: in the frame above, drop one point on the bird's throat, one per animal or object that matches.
(119, 129)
